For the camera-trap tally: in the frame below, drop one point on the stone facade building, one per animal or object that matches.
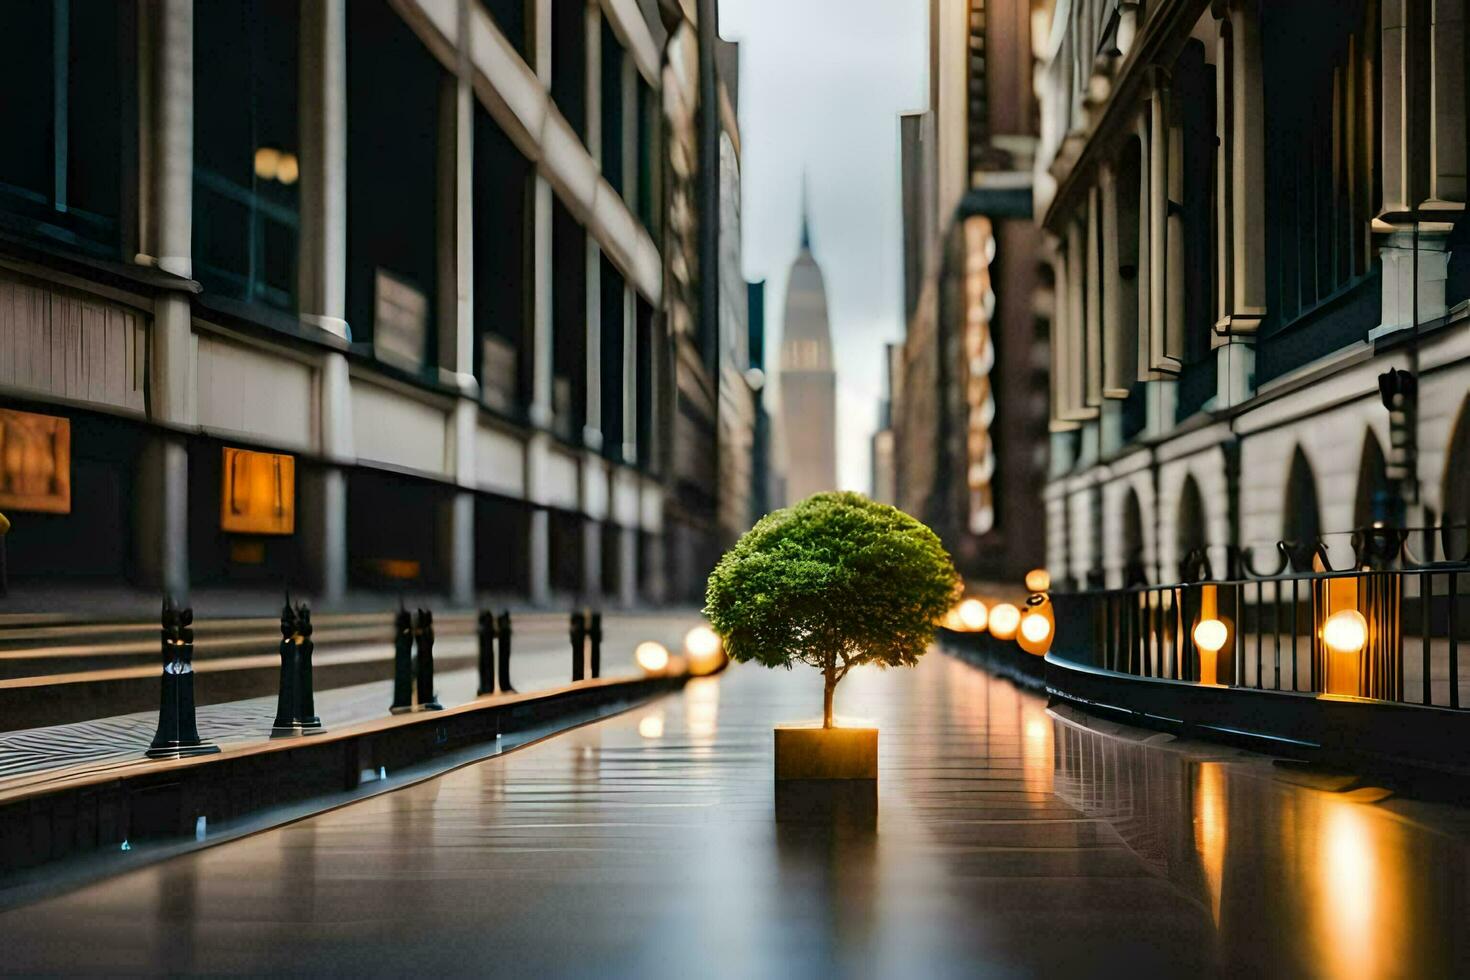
(1255, 217)
(968, 398)
(379, 295)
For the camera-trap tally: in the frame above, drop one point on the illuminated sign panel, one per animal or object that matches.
(35, 462)
(259, 493)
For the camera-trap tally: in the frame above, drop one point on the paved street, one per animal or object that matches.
(1009, 842)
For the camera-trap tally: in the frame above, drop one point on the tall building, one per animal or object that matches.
(808, 381)
(883, 478)
(969, 395)
(358, 296)
(1256, 221)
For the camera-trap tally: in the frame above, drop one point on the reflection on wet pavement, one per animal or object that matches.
(1010, 841)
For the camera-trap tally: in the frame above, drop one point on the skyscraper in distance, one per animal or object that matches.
(808, 382)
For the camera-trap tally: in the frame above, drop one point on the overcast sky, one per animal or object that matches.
(821, 86)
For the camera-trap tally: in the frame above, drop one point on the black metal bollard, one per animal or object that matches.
(579, 643)
(402, 663)
(424, 630)
(502, 627)
(594, 633)
(178, 732)
(487, 654)
(305, 694)
(286, 698)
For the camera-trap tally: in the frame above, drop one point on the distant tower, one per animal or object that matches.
(808, 383)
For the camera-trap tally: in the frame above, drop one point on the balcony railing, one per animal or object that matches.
(1390, 627)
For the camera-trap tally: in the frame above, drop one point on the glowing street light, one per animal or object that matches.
(1004, 620)
(1038, 580)
(973, 615)
(702, 641)
(267, 162)
(1345, 632)
(652, 657)
(1209, 637)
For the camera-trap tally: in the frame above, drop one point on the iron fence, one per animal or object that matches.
(1295, 628)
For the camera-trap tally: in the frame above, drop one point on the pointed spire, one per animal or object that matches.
(806, 229)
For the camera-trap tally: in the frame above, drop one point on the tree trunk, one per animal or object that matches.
(831, 686)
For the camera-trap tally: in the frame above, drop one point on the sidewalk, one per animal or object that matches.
(541, 659)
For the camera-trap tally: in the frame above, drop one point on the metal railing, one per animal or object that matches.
(1413, 619)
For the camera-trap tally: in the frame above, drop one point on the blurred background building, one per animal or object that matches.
(1255, 218)
(968, 394)
(808, 378)
(370, 296)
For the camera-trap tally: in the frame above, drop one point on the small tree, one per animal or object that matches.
(835, 581)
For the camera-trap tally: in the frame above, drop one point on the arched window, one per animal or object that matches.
(1372, 502)
(1456, 500)
(1135, 572)
(1190, 534)
(1302, 521)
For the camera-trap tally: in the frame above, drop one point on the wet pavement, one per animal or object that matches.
(1010, 841)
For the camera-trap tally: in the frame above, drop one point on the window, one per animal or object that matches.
(246, 154)
(612, 360)
(67, 91)
(612, 108)
(650, 193)
(1321, 105)
(393, 93)
(502, 189)
(569, 324)
(569, 62)
(1194, 94)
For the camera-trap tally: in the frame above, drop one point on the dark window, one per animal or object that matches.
(1191, 526)
(393, 95)
(1321, 148)
(510, 17)
(569, 62)
(246, 154)
(503, 330)
(612, 361)
(1373, 502)
(1194, 90)
(67, 90)
(1303, 523)
(649, 192)
(569, 324)
(648, 352)
(612, 108)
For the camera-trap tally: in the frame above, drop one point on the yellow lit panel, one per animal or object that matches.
(35, 462)
(259, 493)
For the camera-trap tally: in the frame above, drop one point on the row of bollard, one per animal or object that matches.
(177, 735)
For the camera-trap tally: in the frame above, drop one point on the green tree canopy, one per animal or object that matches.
(835, 581)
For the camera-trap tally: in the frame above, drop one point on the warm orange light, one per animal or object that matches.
(1038, 580)
(651, 726)
(258, 493)
(652, 657)
(1035, 632)
(1345, 631)
(401, 569)
(1210, 635)
(1004, 620)
(702, 641)
(267, 162)
(35, 462)
(288, 169)
(973, 615)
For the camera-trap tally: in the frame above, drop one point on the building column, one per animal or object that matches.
(162, 517)
(1240, 271)
(322, 287)
(538, 445)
